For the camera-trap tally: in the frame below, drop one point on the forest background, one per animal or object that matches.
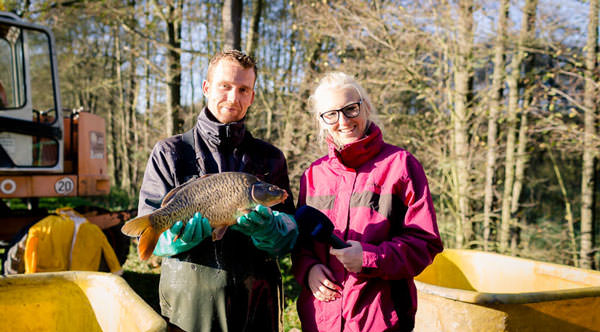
(497, 99)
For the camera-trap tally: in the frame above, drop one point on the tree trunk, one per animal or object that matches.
(495, 102)
(460, 119)
(568, 210)
(589, 150)
(520, 163)
(232, 24)
(110, 124)
(191, 73)
(122, 122)
(132, 126)
(134, 141)
(509, 162)
(521, 156)
(148, 82)
(252, 38)
(174, 109)
(511, 121)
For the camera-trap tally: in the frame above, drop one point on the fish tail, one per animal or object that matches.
(136, 226)
(142, 227)
(147, 243)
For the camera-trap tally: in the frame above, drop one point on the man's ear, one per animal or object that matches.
(205, 85)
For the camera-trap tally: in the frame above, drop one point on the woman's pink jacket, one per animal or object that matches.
(377, 194)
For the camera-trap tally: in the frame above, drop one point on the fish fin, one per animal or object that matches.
(147, 243)
(218, 233)
(142, 227)
(169, 196)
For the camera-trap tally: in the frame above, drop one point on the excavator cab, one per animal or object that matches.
(31, 122)
(45, 150)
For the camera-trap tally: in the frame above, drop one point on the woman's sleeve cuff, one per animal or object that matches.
(370, 256)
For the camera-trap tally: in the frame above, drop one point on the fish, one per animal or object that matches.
(221, 198)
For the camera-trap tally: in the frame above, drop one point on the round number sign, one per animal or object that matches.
(64, 186)
(8, 186)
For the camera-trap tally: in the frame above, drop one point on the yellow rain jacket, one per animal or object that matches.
(67, 241)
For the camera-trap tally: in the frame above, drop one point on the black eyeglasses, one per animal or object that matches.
(350, 111)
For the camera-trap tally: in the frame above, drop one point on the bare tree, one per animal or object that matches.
(495, 102)
(528, 102)
(590, 150)
(424, 68)
(122, 122)
(171, 13)
(252, 38)
(460, 115)
(133, 89)
(513, 80)
(232, 24)
(568, 209)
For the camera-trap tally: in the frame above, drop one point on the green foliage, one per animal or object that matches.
(142, 277)
(546, 240)
(291, 290)
(145, 285)
(116, 200)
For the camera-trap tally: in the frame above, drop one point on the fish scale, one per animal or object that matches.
(221, 198)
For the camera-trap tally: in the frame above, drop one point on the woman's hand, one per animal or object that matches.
(319, 281)
(350, 257)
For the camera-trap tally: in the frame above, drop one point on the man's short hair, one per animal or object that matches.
(244, 60)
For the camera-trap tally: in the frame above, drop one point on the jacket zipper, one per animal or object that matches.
(343, 321)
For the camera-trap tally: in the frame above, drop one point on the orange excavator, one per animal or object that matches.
(45, 150)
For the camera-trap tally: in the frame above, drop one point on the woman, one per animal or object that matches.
(378, 199)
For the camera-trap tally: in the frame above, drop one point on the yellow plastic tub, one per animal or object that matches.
(73, 301)
(468, 290)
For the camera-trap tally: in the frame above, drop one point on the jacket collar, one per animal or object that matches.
(355, 154)
(219, 136)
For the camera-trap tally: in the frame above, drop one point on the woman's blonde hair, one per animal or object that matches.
(338, 80)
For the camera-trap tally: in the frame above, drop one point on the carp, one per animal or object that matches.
(221, 198)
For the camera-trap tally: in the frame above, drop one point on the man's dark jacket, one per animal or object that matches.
(226, 285)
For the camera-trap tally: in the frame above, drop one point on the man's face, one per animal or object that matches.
(230, 91)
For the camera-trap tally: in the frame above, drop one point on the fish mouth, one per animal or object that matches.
(281, 199)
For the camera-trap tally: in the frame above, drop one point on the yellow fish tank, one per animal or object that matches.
(469, 290)
(74, 301)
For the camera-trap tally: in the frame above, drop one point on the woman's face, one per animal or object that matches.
(345, 130)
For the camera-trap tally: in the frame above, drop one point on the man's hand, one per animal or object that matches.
(194, 231)
(259, 220)
(272, 231)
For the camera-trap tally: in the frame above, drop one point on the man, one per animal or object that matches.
(232, 284)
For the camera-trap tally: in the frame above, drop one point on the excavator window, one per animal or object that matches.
(11, 68)
(29, 134)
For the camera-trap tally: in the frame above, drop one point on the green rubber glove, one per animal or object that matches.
(196, 229)
(272, 231)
